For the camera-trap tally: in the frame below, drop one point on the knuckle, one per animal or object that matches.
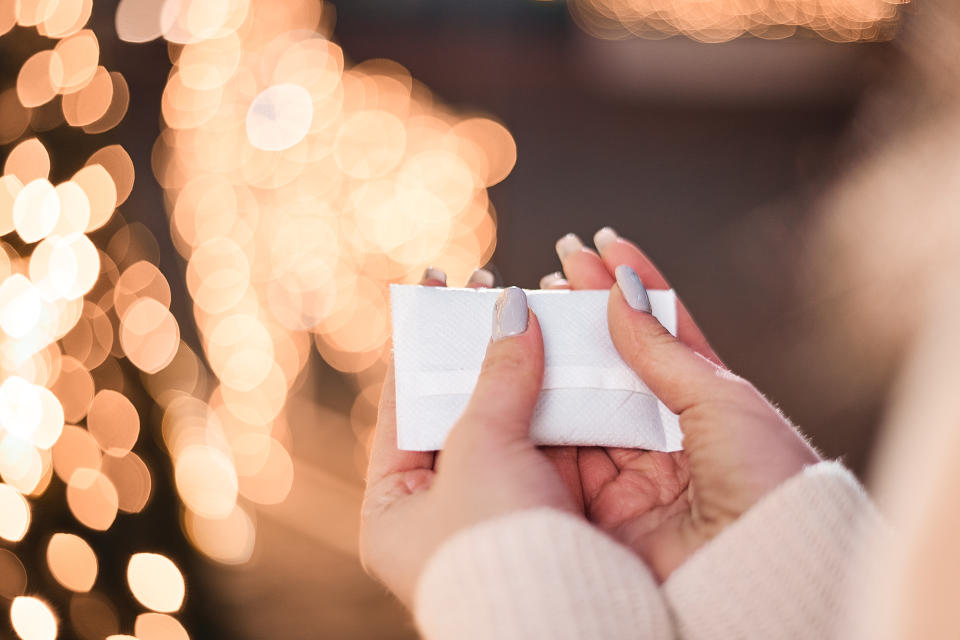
(503, 363)
(650, 335)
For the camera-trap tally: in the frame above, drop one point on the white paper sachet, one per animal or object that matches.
(589, 397)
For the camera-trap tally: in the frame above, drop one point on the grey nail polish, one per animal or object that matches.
(481, 277)
(510, 313)
(434, 274)
(632, 289)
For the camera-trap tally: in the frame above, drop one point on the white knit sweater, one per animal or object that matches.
(779, 572)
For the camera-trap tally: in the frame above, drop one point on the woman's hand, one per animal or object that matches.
(488, 467)
(737, 446)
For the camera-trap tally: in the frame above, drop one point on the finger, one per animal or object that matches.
(615, 251)
(512, 374)
(597, 469)
(565, 461)
(554, 280)
(385, 458)
(674, 372)
(433, 278)
(480, 279)
(584, 268)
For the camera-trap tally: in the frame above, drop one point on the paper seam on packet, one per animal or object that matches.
(447, 383)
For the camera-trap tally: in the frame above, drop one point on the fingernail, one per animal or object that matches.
(552, 280)
(632, 289)
(434, 274)
(481, 277)
(568, 244)
(604, 237)
(510, 313)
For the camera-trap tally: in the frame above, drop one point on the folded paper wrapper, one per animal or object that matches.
(590, 396)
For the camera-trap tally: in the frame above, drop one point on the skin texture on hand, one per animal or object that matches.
(737, 446)
(664, 506)
(489, 467)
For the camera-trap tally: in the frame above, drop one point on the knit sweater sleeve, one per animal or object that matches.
(782, 570)
(538, 573)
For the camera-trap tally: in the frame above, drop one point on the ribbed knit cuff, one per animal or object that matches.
(780, 571)
(539, 573)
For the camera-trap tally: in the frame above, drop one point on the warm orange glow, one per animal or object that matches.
(157, 626)
(79, 55)
(270, 481)
(92, 499)
(101, 192)
(32, 12)
(67, 18)
(13, 577)
(118, 164)
(722, 20)
(72, 562)
(32, 619)
(131, 477)
(74, 209)
(207, 481)
(229, 540)
(40, 78)
(16, 514)
(74, 388)
(28, 161)
(140, 280)
(36, 210)
(90, 103)
(149, 335)
(139, 20)
(75, 449)
(156, 582)
(20, 306)
(299, 186)
(113, 421)
(117, 107)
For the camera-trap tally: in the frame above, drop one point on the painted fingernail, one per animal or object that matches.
(632, 289)
(603, 238)
(510, 313)
(480, 278)
(434, 274)
(568, 244)
(552, 280)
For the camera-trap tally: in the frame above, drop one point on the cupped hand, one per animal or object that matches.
(489, 467)
(737, 446)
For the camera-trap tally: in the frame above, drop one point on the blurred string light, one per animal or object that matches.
(68, 312)
(723, 20)
(298, 187)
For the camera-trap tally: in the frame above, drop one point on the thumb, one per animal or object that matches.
(512, 374)
(679, 376)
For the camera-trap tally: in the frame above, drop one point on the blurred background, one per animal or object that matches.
(202, 204)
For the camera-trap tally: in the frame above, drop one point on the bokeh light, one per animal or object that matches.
(723, 20)
(157, 626)
(298, 186)
(156, 582)
(16, 514)
(32, 619)
(72, 562)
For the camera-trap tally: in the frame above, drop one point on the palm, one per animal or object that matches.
(638, 497)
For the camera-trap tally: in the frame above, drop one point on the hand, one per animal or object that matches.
(737, 446)
(488, 467)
